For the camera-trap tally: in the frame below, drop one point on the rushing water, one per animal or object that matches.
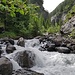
(49, 63)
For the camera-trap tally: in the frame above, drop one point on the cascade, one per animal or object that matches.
(49, 63)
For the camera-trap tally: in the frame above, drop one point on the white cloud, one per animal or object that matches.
(50, 5)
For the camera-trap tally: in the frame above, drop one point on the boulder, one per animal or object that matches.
(21, 42)
(10, 48)
(5, 66)
(71, 47)
(25, 59)
(50, 47)
(11, 41)
(58, 41)
(26, 72)
(63, 50)
(68, 26)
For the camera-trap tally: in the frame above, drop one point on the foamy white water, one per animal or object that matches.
(49, 63)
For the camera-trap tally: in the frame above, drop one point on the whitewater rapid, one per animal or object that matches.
(49, 63)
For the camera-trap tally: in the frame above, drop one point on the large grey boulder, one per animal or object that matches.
(68, 26)
(21, 42)
(25, 59)
(5, 66)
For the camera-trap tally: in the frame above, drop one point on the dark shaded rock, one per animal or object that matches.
(1, 52)
(7, 39)
(21, 42)
(42, 39)
(42, 48)
(26, 72)
(5, 66)
(25, 59)
(50, 47)
(63, 44)
(71, 46)
(63, 50)
(10, 48)
(0, 47)
(11, 41)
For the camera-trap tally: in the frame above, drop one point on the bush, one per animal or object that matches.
(54, 29)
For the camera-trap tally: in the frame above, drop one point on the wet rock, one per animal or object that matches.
(26, 72)
(5, 66)
(21, 42)
(42, 48)
(10, 48)
(11, 41)
(63, 50)
(50, 47)
(25, 59)
(7, 39)
(0, 47)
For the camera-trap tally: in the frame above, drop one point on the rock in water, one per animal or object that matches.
(5, 66)
(10, 48)
(25, 59)
(63, 50)
(21, 42)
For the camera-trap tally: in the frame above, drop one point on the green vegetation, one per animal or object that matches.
(21, 18)
(72, 34)
(70, 14)
(54, 29)
(66, 7)
(28, 18)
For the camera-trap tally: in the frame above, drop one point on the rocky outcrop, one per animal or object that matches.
(68, 27)
(25, 59)
(21, 42)
(5, 66)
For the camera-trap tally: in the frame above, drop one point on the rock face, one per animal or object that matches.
(21, 42)
(26, 72)
(69, 26)
(10, 48)
(25, 59)
(5, 66)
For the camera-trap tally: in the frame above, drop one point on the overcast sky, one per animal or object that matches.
(50, 5)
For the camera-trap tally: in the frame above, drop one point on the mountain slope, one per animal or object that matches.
(63, 12)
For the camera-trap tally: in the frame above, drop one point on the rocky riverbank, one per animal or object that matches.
(25, 58)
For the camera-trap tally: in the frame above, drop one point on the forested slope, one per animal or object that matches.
(63, 12)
